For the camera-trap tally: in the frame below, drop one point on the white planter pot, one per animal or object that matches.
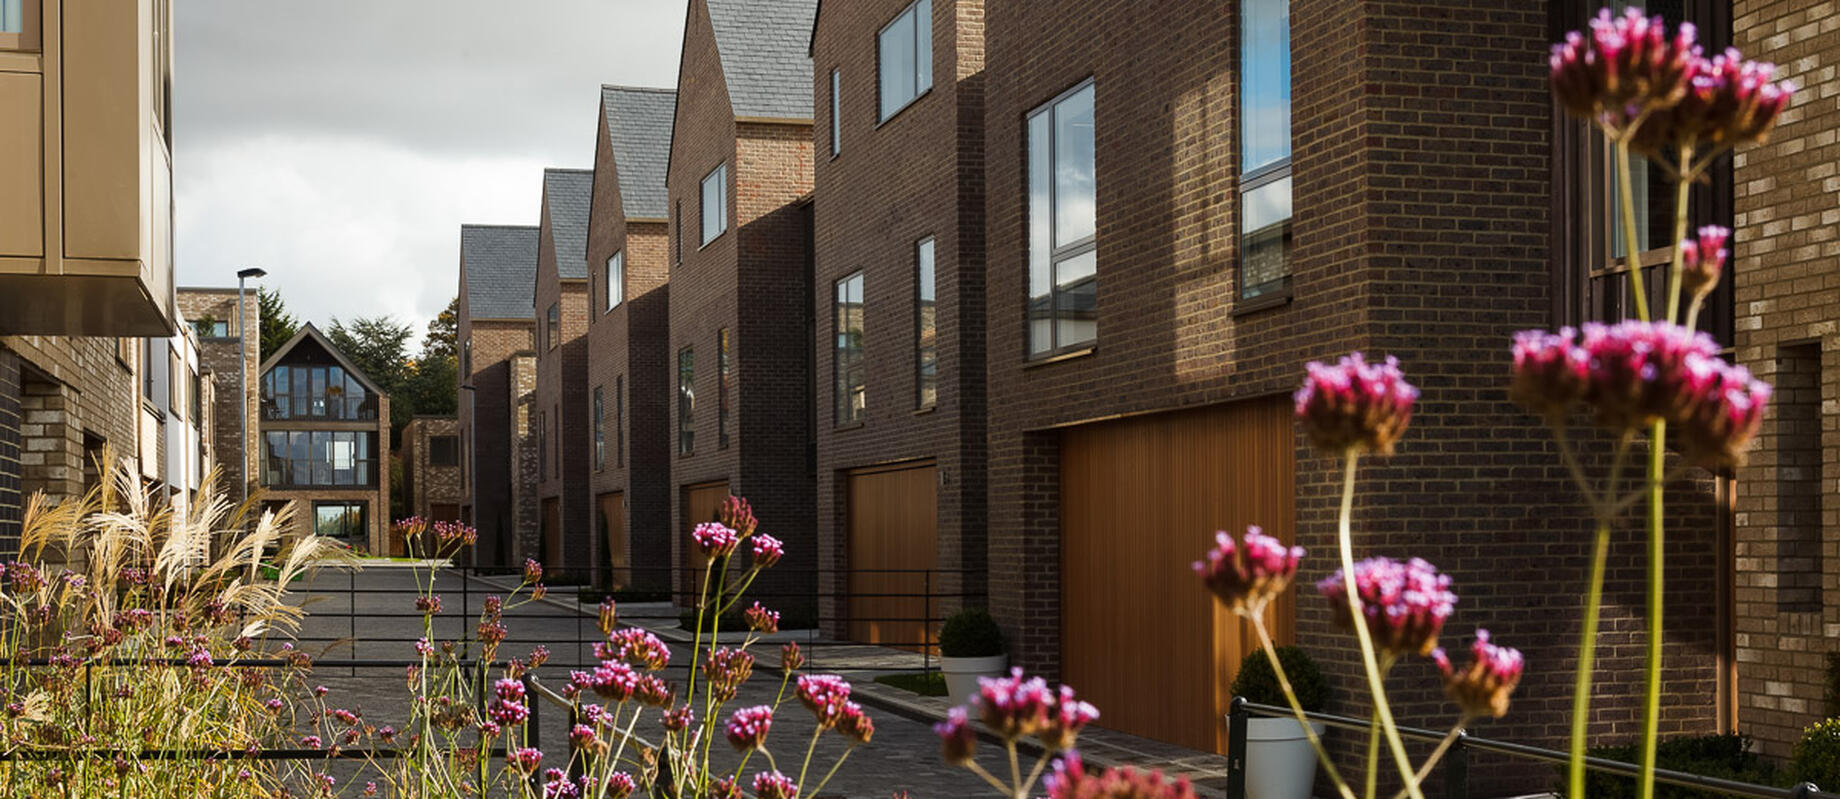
(1279, 761)
(962, 675)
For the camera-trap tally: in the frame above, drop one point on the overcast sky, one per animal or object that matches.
(339, 144)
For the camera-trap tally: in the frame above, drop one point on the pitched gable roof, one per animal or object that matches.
(639, 125)
(308, 331)
(765, 46)
(501, 270)
(568, 194)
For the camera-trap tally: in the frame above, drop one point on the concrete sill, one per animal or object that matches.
(1264, 303)
(1065, 356)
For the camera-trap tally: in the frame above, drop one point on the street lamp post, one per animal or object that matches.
(242, 363)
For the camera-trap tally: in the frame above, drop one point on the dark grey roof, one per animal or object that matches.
(766, 55)
(569, 192)
(639, 131)
(501, 270)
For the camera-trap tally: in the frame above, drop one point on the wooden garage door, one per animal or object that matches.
(552, 535)
(893, 529)
(1140, 501)
(701, 503)
(612, 507)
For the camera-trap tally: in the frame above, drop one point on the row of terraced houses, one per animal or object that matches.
(1013, 295)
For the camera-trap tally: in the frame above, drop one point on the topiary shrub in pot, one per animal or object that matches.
(970, 646)
(1279, 761)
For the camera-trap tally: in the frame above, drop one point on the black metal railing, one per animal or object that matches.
(1456, 764)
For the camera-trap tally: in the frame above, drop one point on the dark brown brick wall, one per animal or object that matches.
(562, 399)
(1787, 614)
(1421, 169)
(489, 427)
(427, 484)
(12, 502)
(753, 280)
(220, 355)
(917, 175)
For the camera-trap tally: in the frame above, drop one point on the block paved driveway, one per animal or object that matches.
(904, 754)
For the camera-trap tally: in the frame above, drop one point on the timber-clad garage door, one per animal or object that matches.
(894, 532)
(701, 504)
(1140, 501)
(612, 508)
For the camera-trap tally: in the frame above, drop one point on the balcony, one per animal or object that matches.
(85, 169)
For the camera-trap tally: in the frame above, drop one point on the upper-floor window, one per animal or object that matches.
(315, 392)
(619, 420)
(197, 396)
(542, 445)
(319, 458)
(1063, 220)
(722, 388)
(905, 51)
(19, 24)
(443, 451)
(1265, 149)
(926, 324)
(836, 113)
(686, 400)
(616, 280)
(175, 383)
(600, 431)
(208, 326)
(466, 358)
(677, 234)
(553, 333)
(715, 203)
(851, 377)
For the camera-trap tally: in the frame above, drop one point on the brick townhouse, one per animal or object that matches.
(1177, 221)
(561, 297)
(496, 331)
(229, 356)
(431, 467)
(739, 355)
(898, 244)
(628, 334)
(1787, 599)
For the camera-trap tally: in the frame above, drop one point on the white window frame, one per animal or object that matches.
(718, 178)
(915, 23)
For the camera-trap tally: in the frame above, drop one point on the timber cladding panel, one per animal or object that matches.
(892, 544)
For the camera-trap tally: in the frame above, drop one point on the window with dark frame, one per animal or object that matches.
(677, 237)
(904, 54)
(555, 420)
(836, 113)
(619, 420)
(1063, 312)
(1265, 149)
(553, 333)
(319, 458)
(926, 327)
(600, 431)
(715, 203)
(339, 519)
(443, 451)
(722, 388)
(20, 26)
(542, 447)
(311, 391)
(848, 364)
(686, 401)
(616, 280)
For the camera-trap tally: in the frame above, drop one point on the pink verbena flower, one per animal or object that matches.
(737, 515)
(1703, 259)
(1726, 412)
(767, 551)
(1066, 719)
(1069, 780)
(428, 605)
(636, 646)
(1405, 604)
(1014, 706)
(653, 691)
(582, 736)
(1729, 101)
(533, 571)
(1250, 573)
(1551, 372)
(761, 620)
(791, 659)
(855, 724)
(747, 728)
(678, 719)
(1623, 66)
(1355, 404)
(714, 539)
(1641, 372)
(824, 695)
(608, 616)
(724, 788)
(957, 740)
(525, 760)
(726, 670)
(619, 786)
(1482, 689)
(774, 785)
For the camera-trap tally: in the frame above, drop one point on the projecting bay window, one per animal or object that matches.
(1063, 223)
(1265, 150)
(686, 401)
(715, 203)
(314, 458)
(904, 50)
(616, 280)
(851, 375)
(926, 323)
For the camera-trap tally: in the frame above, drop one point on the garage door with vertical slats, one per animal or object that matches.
(612, 512)
(1140, 501)
(701, 504)
(893, 543)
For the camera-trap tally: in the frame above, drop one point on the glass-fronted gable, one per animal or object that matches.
(310, 384)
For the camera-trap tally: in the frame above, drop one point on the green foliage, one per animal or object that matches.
(1833, 684)
(277, 324)
(1258, 683)
(1817, 755)
(1726, 756)
(379, 347)
(443, 332)
(971, 633)
(930, 683)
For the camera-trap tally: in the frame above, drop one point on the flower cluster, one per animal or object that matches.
(714, 539)
(1069, 780)
(726, 670)
(612, 680)
(1405, 604)
(774, 785)
(1702, 259)
(761, 620)
(1633, 374)
(636, 646)
(1016, 707)
(1482, 689)
(767, 551)
(1248, 574)
(508, 708)
(825, 696)
(1355, 405)
(738, 515)
(747, 728)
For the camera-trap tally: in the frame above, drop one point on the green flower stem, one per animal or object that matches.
(1008, 790)
(1587, 642)
(1382, 709)
(1373, 756)
(1290, 695)
(1437, 754)
(1630, 256)
(829, 774)
(1657, 540)
(1681, 189)
(811, 746)
(1015, 769)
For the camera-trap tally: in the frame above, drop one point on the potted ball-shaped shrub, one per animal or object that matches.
(970, 646)
(1279, 761)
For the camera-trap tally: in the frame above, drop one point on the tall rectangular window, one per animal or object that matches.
(722, 388)
(619, 420)
(600, 431)
(555, 435)
(686, 400)
(19, 26)
(851, 388)
(554, 331)
(677, 237)
(715, 203)
(836, 113)
(926, 322)
(1265, 149)
(616, 280)
(12, 16)
(905, 51)
(1063, 309)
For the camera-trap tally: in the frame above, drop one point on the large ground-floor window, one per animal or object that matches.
(339, 519)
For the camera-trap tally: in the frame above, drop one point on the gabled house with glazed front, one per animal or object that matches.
(325, 433)
(628, 335)
(561, 296)
(497, 343)
(741, 412)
